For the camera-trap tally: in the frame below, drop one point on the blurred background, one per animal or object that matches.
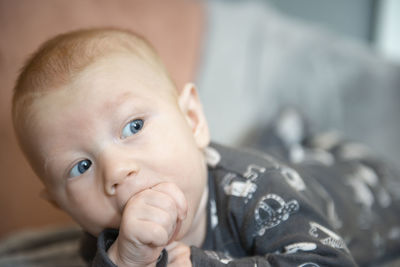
(374, 22)
(336, 60)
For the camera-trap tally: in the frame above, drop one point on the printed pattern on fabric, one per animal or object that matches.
(279, 209)
(309, 264)
(255, 198)
(326, 236)
(302, 246)
(271, 210)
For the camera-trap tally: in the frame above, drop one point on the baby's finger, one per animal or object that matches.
(160, 217)
(138, 205)
(175, 193)
(148, 233)
(178, 255)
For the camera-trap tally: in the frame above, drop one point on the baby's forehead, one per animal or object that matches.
(112, 71)
(116, 76)
(122, 67)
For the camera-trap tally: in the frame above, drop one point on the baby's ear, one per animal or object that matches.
(44, 194)
(190, 105)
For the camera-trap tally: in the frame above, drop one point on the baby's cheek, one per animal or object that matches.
(95, 220)
(91, 210)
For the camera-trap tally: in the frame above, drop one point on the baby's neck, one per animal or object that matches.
(199, 225)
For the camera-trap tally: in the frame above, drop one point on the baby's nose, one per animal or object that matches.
(116, 170)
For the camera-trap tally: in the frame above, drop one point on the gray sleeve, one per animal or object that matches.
(105, 240)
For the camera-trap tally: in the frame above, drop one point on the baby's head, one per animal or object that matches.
(99, 120)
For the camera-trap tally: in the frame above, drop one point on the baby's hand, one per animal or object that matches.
(150, 221)
(178, 255)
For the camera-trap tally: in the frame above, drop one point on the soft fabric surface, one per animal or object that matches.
(256, 61)
(47, 247)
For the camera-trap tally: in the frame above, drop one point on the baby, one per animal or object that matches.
(129, 158)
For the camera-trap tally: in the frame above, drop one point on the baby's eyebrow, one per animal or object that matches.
(57, 160)
(109, 104)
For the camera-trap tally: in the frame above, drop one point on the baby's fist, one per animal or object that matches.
(151, 219)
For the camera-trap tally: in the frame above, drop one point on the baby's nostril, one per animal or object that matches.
(112, 189)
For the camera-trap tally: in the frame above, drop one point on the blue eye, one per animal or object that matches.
(79, 168)
(132, 128)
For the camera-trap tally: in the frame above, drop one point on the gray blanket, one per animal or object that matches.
(256, 60)
(48, 247)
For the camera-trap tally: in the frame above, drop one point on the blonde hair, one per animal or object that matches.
(63, 57)
(59, 59)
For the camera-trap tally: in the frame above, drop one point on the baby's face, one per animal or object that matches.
(111, 133)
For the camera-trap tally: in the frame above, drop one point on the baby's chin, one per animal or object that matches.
(184, 232)
(96, 230)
